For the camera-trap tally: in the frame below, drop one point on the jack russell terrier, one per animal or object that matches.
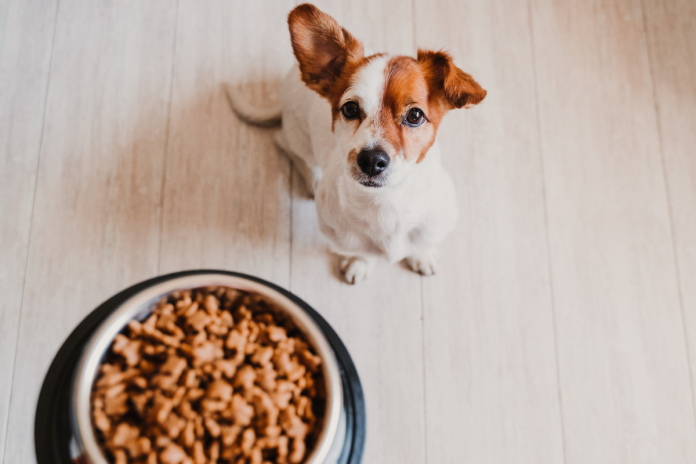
(361, 131)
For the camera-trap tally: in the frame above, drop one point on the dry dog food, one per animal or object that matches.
(211, 376)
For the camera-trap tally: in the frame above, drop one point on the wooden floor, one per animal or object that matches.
(561, 327)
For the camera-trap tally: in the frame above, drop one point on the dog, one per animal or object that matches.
(361, 131)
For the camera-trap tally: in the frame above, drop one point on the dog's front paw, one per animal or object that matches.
(356, 269)
(424, 262)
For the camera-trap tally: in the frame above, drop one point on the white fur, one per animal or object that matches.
(368, 87)
(406, 218)
(357, 268)
(423, 262)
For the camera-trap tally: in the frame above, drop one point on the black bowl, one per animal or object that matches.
(52, 427)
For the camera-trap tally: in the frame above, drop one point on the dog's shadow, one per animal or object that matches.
(231, 195)
(202, 190)
(226, 192)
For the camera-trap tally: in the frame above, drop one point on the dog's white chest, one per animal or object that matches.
(390, 227)
(357, 236)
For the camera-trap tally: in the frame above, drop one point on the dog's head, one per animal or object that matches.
(385, 109)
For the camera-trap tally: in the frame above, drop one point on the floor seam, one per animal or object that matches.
(546, 227)
(414, 50)
(670, 213)
(31, 227)
(166, 142)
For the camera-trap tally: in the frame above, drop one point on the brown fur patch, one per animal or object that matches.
(433, 84)
(353, 156)
(455, 86)
(328, 55)
(322, 47)
(406, 88)
(344, 81)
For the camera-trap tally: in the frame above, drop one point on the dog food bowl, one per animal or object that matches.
(63, 428)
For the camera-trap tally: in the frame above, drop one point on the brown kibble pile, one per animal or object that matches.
(211, 376)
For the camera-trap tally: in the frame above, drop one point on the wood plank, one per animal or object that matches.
(226, 199)
(623, 366)
(379, 319)
(671, 34)
(96, 217)
(26, 41)
(490, 366)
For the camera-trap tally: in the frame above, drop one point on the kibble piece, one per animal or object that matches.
(199, 456)
(272, 431)
(245, 378)
(264, 407)
(227, 367)
(220, 390)
(283, 449)
(266, 378)
(241, 412)
(163, 407)
(183, 302)
(298, 452)
(304, 408)
(248, 440)
(188, 311)
(162, 441)
(147, 367)
(141, 447)
(172, 454)
(101, 420)
(210, 407)
(112, 377)
(211, 304)
(151, 458)
(212, 427)
(276, 334)
(120, 457)
(174, 425)
(195, 394)
(200, 430)
(262, 355)
(116, 405)
(206, 352)
(214, 451)
(230, 434)
(140, 382)
(186, 410)
(236, 341)
(199, 320)
(124, 435)
(310, 360)
(171, 370)
(140, 400)
(226, 319)
(129, 349)
(188, 436)
(292, 424)
(281, 398)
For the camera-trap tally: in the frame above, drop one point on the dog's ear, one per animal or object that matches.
(457, 87)
(321, 46)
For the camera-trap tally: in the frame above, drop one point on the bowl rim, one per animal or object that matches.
(141, 303)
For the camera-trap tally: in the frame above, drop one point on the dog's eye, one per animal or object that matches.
(350, 110)
(415, 117)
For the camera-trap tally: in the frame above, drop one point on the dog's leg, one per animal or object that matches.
(423, 262)
(356, 268)
(309, 177)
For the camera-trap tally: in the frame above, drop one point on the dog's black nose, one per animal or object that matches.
(373, 162)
